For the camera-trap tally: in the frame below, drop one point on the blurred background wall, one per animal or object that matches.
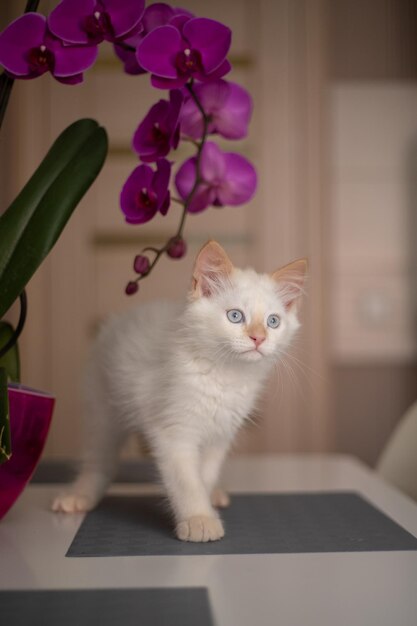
(372, 90)
(334, 138)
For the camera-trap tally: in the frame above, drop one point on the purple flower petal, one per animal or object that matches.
(91, 21)
(124, 15)
(141, 175)
(184, 181)
(128, 58)
(179, 20)
(66, 20)
(228, 105)
(223, 69)
(134, 40)
(158, 48)
(76, 79)
(185, 177)
(70, 60)
(126, 51)
(23, 34)
(240, 181)
(192, 121)
(150, 140)
(233, 119)
(138, 180)
(157, 14)
(181, 11)
(145, 192)
(204, 197)
(212, 164)
(212, 39)
(165, 204)
(161, 177)
(176, 101)
(159, 130)
(199, 50)
(168, 83)
(212, 96)
(228, 179)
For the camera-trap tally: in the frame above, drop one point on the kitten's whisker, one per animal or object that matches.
(302, 364)
(292, 377)
(296, 382)
(278, 397)
(300, 368)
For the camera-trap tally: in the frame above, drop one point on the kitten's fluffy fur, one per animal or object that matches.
(187, 378)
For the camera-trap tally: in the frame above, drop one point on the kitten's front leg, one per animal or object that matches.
(212, 460)
(179, 465)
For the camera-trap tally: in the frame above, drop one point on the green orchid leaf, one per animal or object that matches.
(32, 224)
(10, 361)
(5, 450)
(14, 221)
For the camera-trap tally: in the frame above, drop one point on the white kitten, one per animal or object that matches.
(186, 376)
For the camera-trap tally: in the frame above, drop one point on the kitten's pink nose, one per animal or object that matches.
(258, 339)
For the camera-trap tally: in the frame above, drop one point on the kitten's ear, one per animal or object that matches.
(290, 280)
(212, 267)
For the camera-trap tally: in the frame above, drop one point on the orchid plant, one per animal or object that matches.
(184, 55)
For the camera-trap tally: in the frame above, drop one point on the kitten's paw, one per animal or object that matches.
(200, 528)
(220, 499)
(73, 503)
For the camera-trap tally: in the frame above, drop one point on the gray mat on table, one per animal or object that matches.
(65, 472)
(255, 524)
(106, 607)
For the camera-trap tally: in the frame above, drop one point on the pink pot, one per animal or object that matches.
(30, 418)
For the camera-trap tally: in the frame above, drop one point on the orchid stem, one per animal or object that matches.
(31, 5)
(189, 140)
(6, 84)
(126, 46)
(197, 180)
(20, 325)
(186, 203)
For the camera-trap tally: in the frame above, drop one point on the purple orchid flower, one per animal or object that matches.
(146, 192)
(197, 50)
(92, 21)
(28, 50)
(158, 14)
(126, 52)
(228, 106)
(228, 179)
(160, 130)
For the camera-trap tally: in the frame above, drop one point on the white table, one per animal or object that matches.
(331, 589)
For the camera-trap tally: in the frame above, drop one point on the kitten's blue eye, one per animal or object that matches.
(273, 321)
(235, 316)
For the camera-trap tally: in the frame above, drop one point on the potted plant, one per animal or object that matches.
(201, 102)
(29, 228)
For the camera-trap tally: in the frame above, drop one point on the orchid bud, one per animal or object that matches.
(131, 288)
(176, 248)
(141, 264)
